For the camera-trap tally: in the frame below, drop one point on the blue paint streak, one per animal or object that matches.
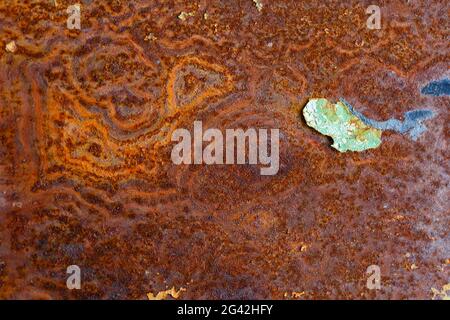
(437, 88)
(412, 125)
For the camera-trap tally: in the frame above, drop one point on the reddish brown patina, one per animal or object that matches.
(86, 176)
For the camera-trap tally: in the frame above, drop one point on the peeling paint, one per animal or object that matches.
(443, 294)
(412, 125)
(335, 120)
(11, 47)
(184, 15)
(258, 4)
(165, 294)
(437, 88)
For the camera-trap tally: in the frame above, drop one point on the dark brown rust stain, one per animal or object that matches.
(85, 170)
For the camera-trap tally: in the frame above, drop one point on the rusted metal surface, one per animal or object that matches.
(85, 171)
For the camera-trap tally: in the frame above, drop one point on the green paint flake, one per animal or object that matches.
(349, 133)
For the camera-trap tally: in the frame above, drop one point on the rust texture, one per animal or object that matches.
(86, 176)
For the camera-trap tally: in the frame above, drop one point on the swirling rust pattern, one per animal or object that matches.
(86, 177)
